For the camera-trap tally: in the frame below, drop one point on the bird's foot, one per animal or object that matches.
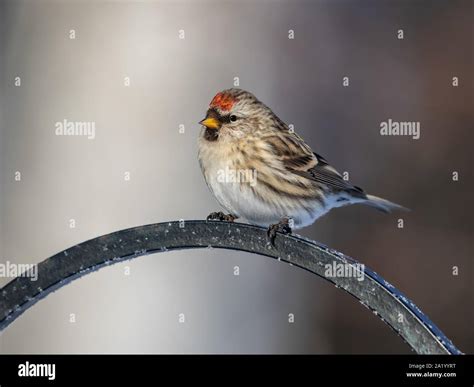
(282, 226)
(221, 216)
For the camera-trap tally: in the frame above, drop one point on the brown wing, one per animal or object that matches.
(297, 157)
(292, 151)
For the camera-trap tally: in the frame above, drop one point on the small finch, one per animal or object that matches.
(260, 170)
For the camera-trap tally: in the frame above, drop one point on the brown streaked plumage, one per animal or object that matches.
(241, 136)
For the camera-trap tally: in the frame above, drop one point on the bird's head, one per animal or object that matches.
(233, 113)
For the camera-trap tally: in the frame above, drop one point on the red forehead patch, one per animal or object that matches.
(223, 101)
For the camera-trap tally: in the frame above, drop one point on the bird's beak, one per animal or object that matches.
(210, 122)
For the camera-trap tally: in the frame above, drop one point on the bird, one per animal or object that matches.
(261, 170)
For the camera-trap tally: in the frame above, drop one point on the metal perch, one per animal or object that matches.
(387, 302)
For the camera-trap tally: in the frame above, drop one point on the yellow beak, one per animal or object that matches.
(210, 122)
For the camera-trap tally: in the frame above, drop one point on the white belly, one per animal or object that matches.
(239, 199)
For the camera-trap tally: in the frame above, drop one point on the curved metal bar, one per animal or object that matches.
(388, 303)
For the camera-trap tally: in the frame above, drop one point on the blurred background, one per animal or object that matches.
(128, 70)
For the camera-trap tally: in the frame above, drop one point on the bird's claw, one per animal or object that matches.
(283, 227)
(221, 216)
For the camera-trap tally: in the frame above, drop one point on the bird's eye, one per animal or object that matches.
(233, 118)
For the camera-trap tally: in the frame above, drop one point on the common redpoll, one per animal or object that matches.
(260, 170)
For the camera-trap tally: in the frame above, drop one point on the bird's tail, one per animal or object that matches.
(382, 204)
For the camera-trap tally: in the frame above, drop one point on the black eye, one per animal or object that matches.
(233, 118)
